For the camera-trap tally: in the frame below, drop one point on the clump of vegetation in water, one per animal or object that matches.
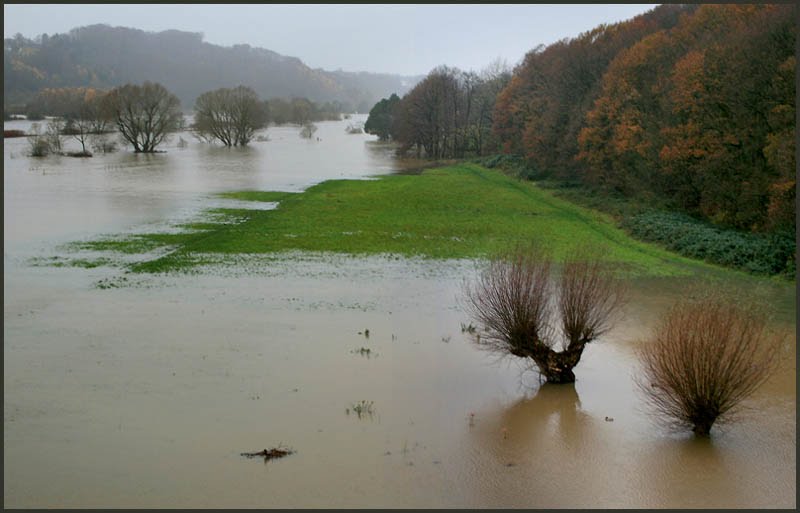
(364, 351)
(86, 263)
(112, 283)
(361, 409)
(270, 454)
(42, 144)
(101, 143)
(308, 130)
(529, 313)
(704, 358)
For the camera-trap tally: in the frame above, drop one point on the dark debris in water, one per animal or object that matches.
(269, 454)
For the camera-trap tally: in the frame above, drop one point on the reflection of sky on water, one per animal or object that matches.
(61, 198)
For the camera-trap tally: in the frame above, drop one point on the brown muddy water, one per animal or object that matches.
(145, 395)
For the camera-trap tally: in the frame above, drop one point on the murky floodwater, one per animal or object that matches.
(144, 396)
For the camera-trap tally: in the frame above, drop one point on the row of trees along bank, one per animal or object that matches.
(449, 114)
(686, 108)
(145, 114)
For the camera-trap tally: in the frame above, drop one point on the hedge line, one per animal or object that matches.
(755, 253)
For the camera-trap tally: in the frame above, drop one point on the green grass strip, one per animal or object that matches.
(461, 211)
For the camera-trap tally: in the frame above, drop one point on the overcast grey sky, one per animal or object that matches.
(404, 39)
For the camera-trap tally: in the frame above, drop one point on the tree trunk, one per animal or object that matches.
(557, 366)
(702, 428)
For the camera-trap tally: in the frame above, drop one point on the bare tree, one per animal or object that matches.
(492, 80)
(230, 116)
(526, 311)
(84, 125)
(97, 112)
(144, 114)
(449, 113)
(55, 127)
(703, 360)
(81, 133)
(88, 119)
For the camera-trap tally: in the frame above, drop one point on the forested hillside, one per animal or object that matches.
(692, 105)
(102, 57)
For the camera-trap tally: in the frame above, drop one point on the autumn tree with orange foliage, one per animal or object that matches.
(543, 109)
(691, 106)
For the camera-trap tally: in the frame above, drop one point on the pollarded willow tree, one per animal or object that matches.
(230, 116)
(144, 114)
(704, 359)
(530, 312)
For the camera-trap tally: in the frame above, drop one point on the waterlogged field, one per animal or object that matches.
(128, 388)
(461, 211)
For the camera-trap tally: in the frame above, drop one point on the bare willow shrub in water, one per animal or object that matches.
(703, 360)
(530, 313)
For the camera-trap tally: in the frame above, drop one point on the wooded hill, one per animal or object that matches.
(689, 105)
(102, 57)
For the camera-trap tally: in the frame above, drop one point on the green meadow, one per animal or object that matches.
(461, 211)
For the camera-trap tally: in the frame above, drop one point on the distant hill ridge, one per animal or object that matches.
(103, 56)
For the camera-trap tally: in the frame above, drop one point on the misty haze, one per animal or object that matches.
(399, 256)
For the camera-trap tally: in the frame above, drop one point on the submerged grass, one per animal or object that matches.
(86, 263)
(460, 211)
(129, 245)
(268, 196)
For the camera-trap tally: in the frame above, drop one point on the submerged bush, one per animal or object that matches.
(703, 360)
(39, 147)
(103, 144)
(308, 130)
(39, 144)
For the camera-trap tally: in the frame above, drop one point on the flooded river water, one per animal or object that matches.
(145, 395)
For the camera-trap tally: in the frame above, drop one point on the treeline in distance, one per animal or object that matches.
(145, 114)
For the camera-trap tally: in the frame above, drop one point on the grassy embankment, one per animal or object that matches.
(653, 219)
(461, 211)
